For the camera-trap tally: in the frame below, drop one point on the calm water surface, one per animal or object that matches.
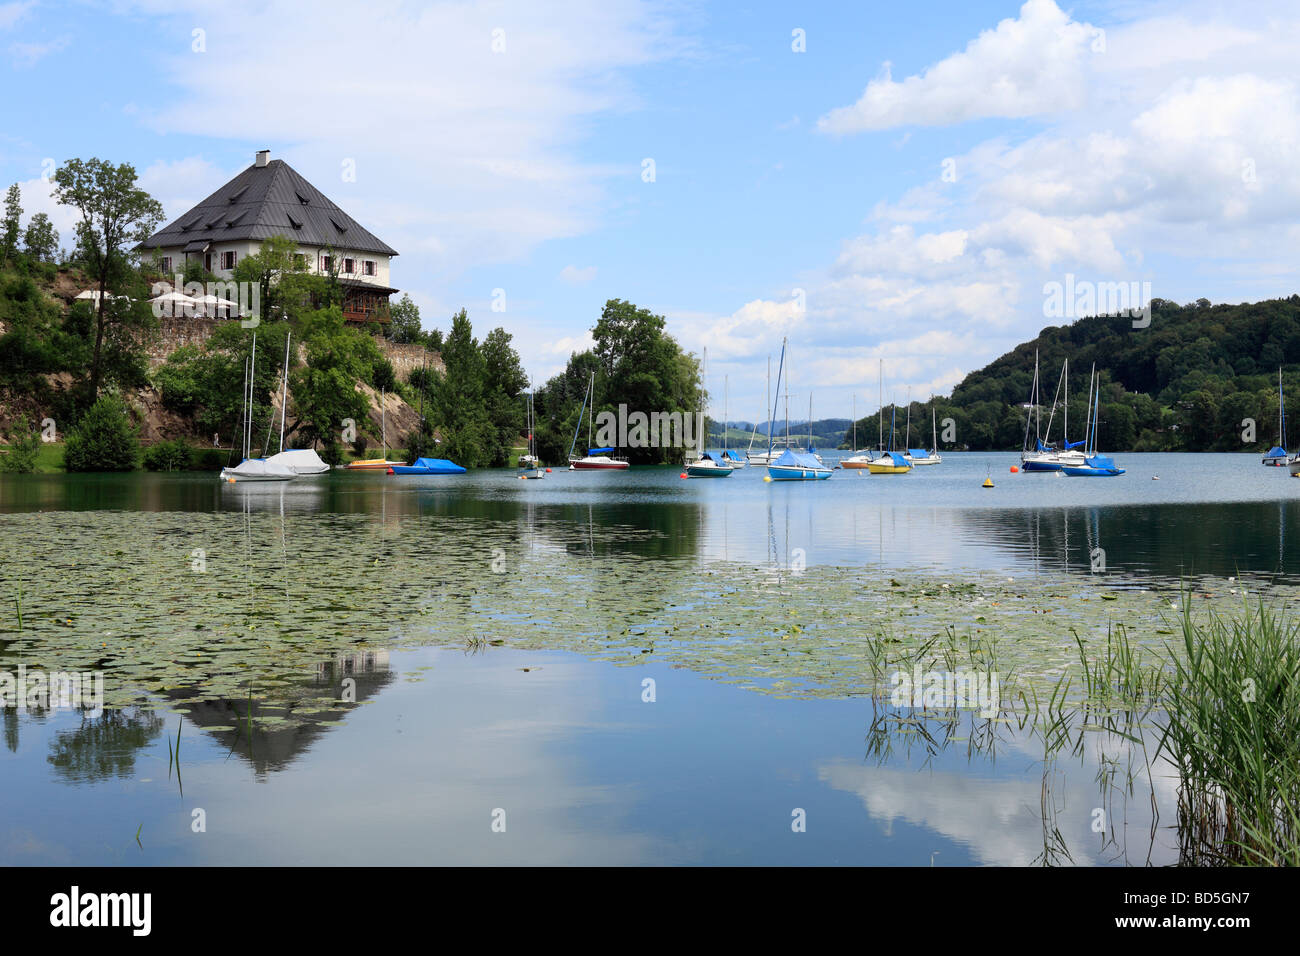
(563, 748)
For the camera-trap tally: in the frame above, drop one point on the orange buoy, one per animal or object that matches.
(683, 474)
(1014, 470)
(548, 471)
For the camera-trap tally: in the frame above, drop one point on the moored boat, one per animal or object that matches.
(709, 465)
(1094, 465)
(428, 466)
(797, 466)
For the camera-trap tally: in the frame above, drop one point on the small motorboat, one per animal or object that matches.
(427, 466)
(709, 465)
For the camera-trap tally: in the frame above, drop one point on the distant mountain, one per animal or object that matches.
(1197, 377)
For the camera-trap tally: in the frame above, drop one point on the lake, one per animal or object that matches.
(601, 668)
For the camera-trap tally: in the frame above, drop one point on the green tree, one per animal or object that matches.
(504, 383)
(41, 238)
(405, 321)
(115, 214)
(9, 226)
(458, 406)
(24, 446)
(280, 274)
(325, 388)
(105, 439)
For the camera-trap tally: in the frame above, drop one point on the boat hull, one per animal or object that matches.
(887, 468)
(1087, 471)
(374, 464)
(797, 473)
(708, 471)
(588, 464)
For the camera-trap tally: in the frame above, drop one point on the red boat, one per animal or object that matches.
(598, 459)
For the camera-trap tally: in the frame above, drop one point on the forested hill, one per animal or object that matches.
(1186, 382)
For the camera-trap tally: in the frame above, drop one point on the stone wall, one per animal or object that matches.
(177, 332)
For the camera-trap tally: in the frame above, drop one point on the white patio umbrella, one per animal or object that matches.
(174, 304)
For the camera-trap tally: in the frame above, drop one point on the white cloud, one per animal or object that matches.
(26, 55)
(1025, 67)
(466, 155)
(11, 13)
(576, 275)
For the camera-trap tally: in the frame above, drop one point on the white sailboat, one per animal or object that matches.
(301, 461)
(596, 459)
(931, 457)
(254, 469)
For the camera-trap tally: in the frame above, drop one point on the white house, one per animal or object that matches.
(269, 198)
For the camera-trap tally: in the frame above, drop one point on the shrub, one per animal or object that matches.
(25, 445)
(209, 459)
(332, 453)
(171, 455)
(383, 376)
(359, 446)
(104, 440)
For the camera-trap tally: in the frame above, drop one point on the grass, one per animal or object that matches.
(49, 459)
(1233, 733)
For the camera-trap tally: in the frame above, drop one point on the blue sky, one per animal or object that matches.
(1115, 141)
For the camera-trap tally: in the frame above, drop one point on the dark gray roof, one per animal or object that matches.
(264, 201)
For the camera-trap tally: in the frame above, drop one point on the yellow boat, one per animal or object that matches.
(373, 464)
(889, 463)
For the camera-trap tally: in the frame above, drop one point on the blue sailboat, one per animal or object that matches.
(1094, 465)
(427, 466)
(791, 465)
(1276, 456)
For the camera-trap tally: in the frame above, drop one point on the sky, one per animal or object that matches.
(876, 182)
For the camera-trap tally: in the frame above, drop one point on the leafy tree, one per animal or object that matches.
(458, 406)
(404, 325)
(284, 284)
(9, 226)
(504, 383)
(24, 446)
(324, 389)
(41, 238)
(115, 214)
(170, 455)
(104, 440)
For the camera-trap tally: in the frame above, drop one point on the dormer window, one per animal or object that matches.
(337, 226)
(301, 198)
(234, 197)
(296, 223)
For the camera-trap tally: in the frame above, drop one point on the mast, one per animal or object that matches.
(855, 423)
(383, 422)
(1065, 428)
(252, 381)
(767, 400)
(704, 402)
(592, 390)
(908, 443)
(725, 424)
(771, 421)
(243, 423)
(810, 434)
(578, 427)
(934, 429)
(880, 381)
(284, 391)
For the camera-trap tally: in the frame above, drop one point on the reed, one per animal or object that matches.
(1232, 730)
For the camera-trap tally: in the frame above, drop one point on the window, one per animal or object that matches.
(326, 263)
(368, 267)
(228, 260)
(166, 264)
(207, 261)
(349, 266)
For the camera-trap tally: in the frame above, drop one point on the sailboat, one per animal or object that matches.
(857, 459)
(1045, 456)
(886, 461)
(301, 461)
(531, 464)
(762, 457)
(254, 469)
(1094, 465)
(706, 464)
(919, 456)
(1277, 456)
(596, 459)
(732, 458)
(382, 463)
(791, 465)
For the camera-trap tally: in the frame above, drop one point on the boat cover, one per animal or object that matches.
(794, 459)
(895, 457)
(429, 466)
(1276, 452)
(261, 468)
(301, 461)
(918, 453)
(600, 451)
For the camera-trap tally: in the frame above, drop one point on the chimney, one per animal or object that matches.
(263, 157)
